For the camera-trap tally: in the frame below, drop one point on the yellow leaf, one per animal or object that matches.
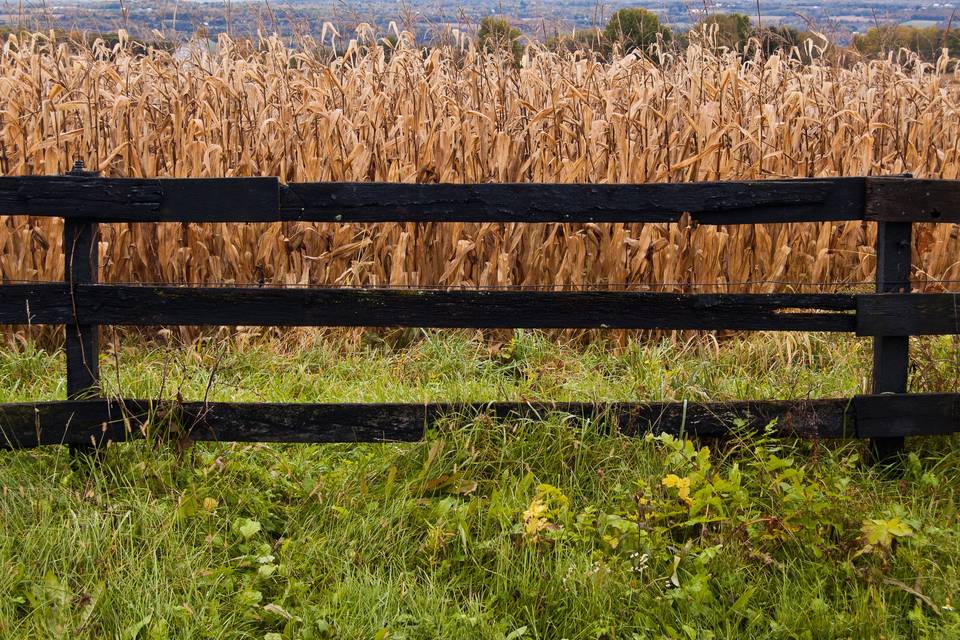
(883, 532)
(682, 485)
(533, 518)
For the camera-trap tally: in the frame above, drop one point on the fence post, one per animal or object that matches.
(81, 263)
(891, 354)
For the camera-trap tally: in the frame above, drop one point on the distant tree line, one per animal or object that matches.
(927, 42)
(631, 29)
(86, 39)
(640, 29)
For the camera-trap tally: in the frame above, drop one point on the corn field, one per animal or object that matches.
(454, 114)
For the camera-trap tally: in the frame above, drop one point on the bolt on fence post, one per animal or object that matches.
(81, 263)
(891, 354)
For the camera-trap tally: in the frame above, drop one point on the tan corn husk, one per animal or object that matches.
(459, 116)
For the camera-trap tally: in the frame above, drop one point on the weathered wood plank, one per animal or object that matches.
(81, 266)
(143, 305)
(891, 199)
(912, 200)
(899, 415)
(141, 199)
(876, 314)
(81, 262)
(263, 200)
(891, 354)
(918, 314)
(801, 200)
(98, 421)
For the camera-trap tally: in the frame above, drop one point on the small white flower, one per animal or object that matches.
(641, 561)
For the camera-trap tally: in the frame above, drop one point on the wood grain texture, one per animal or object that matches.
(912, 200)
(801, 200)
(99, 421)
(140, 199)
(891, 353)
(257, 199)
(142, 305)
(900, 415)
(263, 200)
(875, 314)
(82, 340)
(919, 314)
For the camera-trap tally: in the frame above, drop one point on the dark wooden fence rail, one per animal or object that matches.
(890, 315)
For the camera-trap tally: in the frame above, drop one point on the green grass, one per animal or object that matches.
(527, 529)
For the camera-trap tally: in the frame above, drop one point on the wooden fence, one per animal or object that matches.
(889, 316)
